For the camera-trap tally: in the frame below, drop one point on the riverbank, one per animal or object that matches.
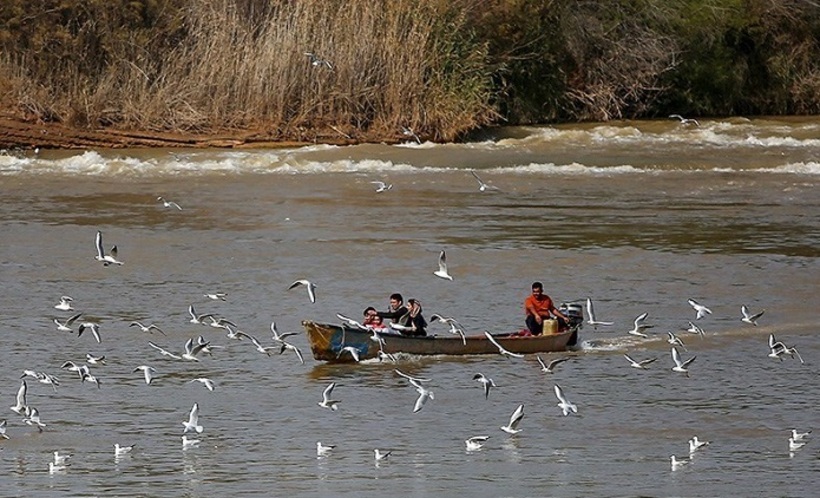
(25, 135)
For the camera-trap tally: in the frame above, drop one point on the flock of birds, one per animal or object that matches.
(195, 347)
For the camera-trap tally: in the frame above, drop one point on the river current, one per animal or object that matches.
(638, 216)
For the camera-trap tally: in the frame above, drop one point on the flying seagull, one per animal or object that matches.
(565, 405)
(442, 267)
(482, 187)
(591, 316)
(311, 288)
(640, 326)
(64, 304)
(93, 327)
(684, 121)
(148, 373)
(748, 317)
(381, 186)
(700, 309)
(639, 364)
(106, 259)
(66, 325)
(550, 368)
(147, 328)
(515, 419)
(192, 424)
(326, 401)
(679, 365)
(476, 442)
(486, 383)
(168, 204)
(501, 349)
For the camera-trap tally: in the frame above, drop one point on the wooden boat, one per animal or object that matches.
(327, 340)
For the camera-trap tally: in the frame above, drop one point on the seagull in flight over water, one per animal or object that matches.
(64, 304)
(550, 368)
(311, 288)
(168, 204)
(192, 424)
(501, 349)
(515, 419)
(106, 259)
(591, 316)
(684, 121)
(326, 401)
(639, 364)
(442, 267)
(66, 325)
(381, 186)
(640, 326)
(699, 308)
(680, 366)
(486, 383)
(482, 187)
(748, 317)
(565, 405)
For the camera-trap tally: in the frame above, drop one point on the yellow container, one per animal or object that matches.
(550, 326)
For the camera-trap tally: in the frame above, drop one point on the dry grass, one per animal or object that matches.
(393, 63)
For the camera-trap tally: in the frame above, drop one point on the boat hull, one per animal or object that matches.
(327, 340)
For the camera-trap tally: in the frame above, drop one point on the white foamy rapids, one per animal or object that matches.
(654, 133)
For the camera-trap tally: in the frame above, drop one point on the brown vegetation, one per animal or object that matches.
(440, 68)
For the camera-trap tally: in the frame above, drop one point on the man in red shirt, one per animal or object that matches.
(538, 307)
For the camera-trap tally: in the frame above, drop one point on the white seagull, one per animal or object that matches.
(700, 309)
(381, 456)
(198, 319)
(694, 329)
(106, 259)
(280, 336)
(565, 405)
(20, 407)
(291, 347)
(486, 383)
(424, 395)
(61, 459)
(676, 464)
(442, 267)
(93, 327)
(476, 442)
(326, 401)
(455, 327)
(192, 350)
(311, 288)
(679, 365)
(260, 348)
(408, 132)
(323, 450)
(410, 377)
(208, 383)
(148, 373)
(482, 187)
(122, 450)
(675, 341)
(64, 304)
(164, 352)
(795, 445)
(147, 328)
(685, 121)
(550, 368)
(748, 317)
(168, 204)
(66, 325)
(3, 429)
(216, 296)
(591, 320)
(799, 436)
(193, 421)
(515, 419)
(639, 364)
(354, 352)
(33, 418)
(95, 360)
(381, 186)
(695, 444)
(640, 326)
(501, 349)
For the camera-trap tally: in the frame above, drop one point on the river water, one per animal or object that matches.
(638, 216)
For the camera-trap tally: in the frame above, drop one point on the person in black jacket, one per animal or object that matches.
(413, 319)
(396, 310)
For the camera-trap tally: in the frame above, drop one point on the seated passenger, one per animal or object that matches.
(414, 320)
(396, 310)
(538, 307)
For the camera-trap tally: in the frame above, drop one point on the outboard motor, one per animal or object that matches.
(573, 311)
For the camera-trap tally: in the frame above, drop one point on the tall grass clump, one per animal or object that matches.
(242, 64)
